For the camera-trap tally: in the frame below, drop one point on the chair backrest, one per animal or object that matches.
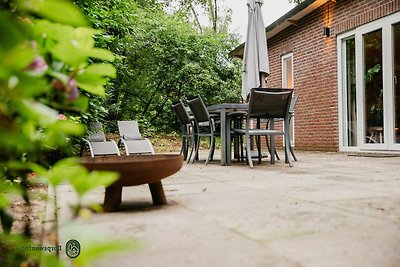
(266, 103)
(129, 130)
(293, 103)
(96, 132)
(181, 112)
(198, 109)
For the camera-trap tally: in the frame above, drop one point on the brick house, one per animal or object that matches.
(345, 77)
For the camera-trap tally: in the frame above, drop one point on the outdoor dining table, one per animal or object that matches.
(223, 109)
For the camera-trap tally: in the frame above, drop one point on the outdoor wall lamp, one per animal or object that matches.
(327, 31)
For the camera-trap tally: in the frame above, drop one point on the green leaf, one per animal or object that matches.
(100, 53)
(68, 127)
(18, 58)
(39, 170)
(92, 84)
(69, 53)
(61, 11)
(101, 70)
(86, 183)
(5, 189)
(37, 111)
(49, 260)
(29, 86)
(81, 103)
(64, 170)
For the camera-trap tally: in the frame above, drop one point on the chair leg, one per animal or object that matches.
(192, 146)
(82, 149)
(290, 143)
(287, 145)
(259, 155)
(266, 140)
(196, 152)
(183, 145)
(210, 154)
(269, 149)
(241, 148)
(291, 151)
(287, 150)
(187, 146)
(213, 148)
(248, 151)
(272, 149)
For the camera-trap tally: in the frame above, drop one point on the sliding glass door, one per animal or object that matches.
(369, 84)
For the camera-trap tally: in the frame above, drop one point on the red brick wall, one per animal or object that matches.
(315, 66)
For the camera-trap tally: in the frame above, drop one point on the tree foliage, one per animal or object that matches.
(49, 65)
(160, 57)
(218, 15)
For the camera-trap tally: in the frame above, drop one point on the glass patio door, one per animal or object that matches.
(378, 101)
(369, 86)
(373, 132)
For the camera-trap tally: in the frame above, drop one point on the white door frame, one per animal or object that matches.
(385, 24)
(284, 85)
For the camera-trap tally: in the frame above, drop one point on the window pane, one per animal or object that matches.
(351, 92)
(289, 75)
(373, 86)
(396, 80)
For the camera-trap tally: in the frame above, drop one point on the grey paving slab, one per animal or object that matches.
(320, 193)
(387, 208)
(366, 246)
(264, 216)
(328, 210)
(208, 244)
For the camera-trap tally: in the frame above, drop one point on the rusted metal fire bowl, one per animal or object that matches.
(135, 170)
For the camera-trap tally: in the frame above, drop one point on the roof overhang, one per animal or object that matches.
(290, 18)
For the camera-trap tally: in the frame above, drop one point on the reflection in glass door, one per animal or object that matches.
(373, 87)
(350, 95)
(396, 81)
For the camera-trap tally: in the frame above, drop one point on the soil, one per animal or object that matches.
(32, 215)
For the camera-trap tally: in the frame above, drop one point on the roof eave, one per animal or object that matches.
(290, 18)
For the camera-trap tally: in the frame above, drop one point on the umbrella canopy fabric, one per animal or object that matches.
(255, 60)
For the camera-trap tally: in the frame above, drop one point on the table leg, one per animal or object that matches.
(223, 138)
(112, 198)
(157, 193)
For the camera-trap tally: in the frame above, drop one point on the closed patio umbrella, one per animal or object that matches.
(255, 60)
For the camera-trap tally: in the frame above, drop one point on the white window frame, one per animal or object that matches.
(284, 85)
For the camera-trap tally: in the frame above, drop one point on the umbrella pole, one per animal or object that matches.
(262, 80)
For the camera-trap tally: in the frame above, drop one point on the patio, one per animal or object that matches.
(328, 210)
